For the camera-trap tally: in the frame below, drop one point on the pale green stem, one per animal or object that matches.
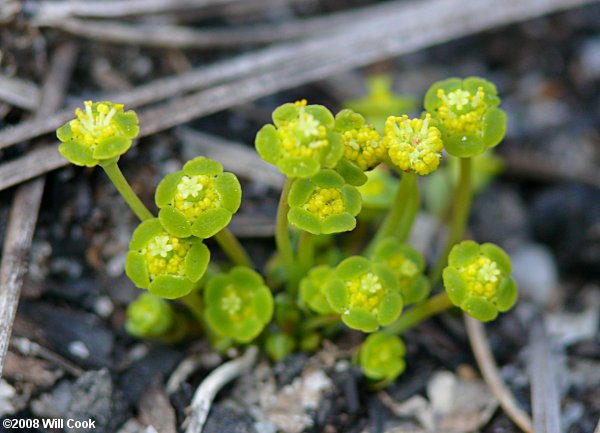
(306, 250)
(233, 248)
(460, 216)
(432, 306)
(114, 174)
(410, 213)
(282, 234)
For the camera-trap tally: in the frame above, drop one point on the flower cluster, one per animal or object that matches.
(466, 113)
(408, 266)
(478, 280)
(365, 293)
(238, 304)
(381, 357)
(168, 266)
(149, 317)
(323, 204)
(198, 200)
(100, 134)
(414, 145)
(302, 141)
(312, 289)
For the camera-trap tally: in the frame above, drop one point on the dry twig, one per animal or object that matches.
(18, 92)
(489, 371)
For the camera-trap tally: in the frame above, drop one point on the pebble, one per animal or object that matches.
(535, 271)
(588, 59)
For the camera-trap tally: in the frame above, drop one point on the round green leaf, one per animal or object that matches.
(304, 220)
(175, 222)
(216, 289)
(230, 191)
(506, 294)
(472, 84)
(77, 153)
(352, 199)
(299, 166)
(389, 308)
(248, 330)
(497, 254)
(387, 276)
(263, 304)
(480, 309)
(494, 127)
(464, 145)
(321, 114)
(334, 151)
(219, 322)
(455, 286)
(351, 172)
(361, 320)
(136, 269)
(210, 222)
(347, 120)
(300, 192)
(268, 144)
(196, 261)
(144, 232)
(431, 99)
(337, 295)
(246, 278)
(202, 165)
(417, 291)
(285, 113)
(328, 179)
(343, 222)
(128, 123)
(353, 267)
(170, 286)
(64, 133)
(167, 188)
(111, 147)
(464, 253)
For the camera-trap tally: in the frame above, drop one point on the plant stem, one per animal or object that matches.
(306, 250)
(432, 306)
(233, 248)
(410, 212)
(282, 235)
(135, 204)
(193, 301)
(460, 215)
(406, 191)
(316, 322)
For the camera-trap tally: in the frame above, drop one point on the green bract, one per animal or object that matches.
(363, 149)
(302, 141)
(100, 134)
(238, 304)
(323, 204)
(365, 293)
(478, 280)
(381, 357)
(408, 266)
(198, 200)
(466, 113)
(168, 266)
(312, 289)
(149, 317)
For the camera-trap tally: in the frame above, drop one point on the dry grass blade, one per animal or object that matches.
(26, 204)
(544, 388)
(489, 371)
(19, 93)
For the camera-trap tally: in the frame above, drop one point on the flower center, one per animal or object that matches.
(303, 136)
(461, 111)
(231, 302)
(325, 202)
(363, 147)
(94, 124)
(195, 194)
(165, 255)
(365, 292)
(482, 277)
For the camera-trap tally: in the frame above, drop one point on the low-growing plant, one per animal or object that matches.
(342, 175)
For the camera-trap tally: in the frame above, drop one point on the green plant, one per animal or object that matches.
(339, 169)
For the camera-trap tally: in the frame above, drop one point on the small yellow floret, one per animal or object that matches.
(196, 194)
(165, 255)
(303, 136)
(482, 277)
(404, 268)
(365, 292)
(325, 202)
(461, 110)
(91, 127)
(235, 304)
(363, 147)
(413, 145)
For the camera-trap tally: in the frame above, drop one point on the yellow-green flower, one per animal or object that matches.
(323, 204)
(414, 145)
(381, 358)
(198, 200)
(101, 133)
(478, 280)
(466, 113)
(312, 289)
(302, 141)
(168, 266)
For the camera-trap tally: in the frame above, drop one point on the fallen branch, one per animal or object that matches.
(489, 371)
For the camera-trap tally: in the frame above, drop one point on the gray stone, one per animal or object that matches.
(535, 271)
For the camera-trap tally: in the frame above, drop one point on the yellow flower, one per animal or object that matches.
(165, 254)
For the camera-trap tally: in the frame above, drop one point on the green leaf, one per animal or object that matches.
(497, 254)
(418, 291)
(111, 147)
(196, 261)
(136, 269)
(360, 319)
(285, 113)
(347, 120)
(353, 267)
(230, 190)
(352, 199)
(299, 166)
(389, 308)
(219, 321)
(328, 179)
(300, 192)
(170, 286)
(464, 253)
(337, 295)
(472, 84)
(343, 222)
(506, 294)
(351, 172)
(144, 232)
(304, 220)
(216, 289)
(167, 188)
(248, 330)
(494, 127)
(210, 222)
(175, 222)
(263, 304)
(64, 133)
(246, 278)
(321, 114)
(431, 99)
(268, 144)
(334, 151)
(480, 308)
(128, 123)
(455, 286)
(464, 145)
(202, 165)
(279, 346)
(387, 277)
(77, 153)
